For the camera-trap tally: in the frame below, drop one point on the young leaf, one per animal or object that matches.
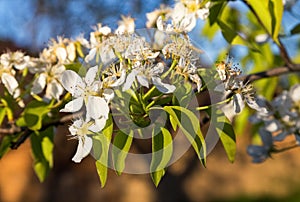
(101, 149)
(162, 149)
(190, 126)
(225, 132)
(122, 143)
(296, 29)
(2, 114)
(215, 11)
(33, 114)
(42, 147)
(270, 14)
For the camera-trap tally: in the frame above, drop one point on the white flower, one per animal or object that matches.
(154, 15)
(295, 93)
(63, 49)
(15, 59)
(146, 73)
(85, 91)
(126, 25)
(183, 16)
(82, 130)
(11, 84)
(49, 79)
(260, 153)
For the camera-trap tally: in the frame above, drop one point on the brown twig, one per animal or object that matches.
(271, 73)
(26, 132)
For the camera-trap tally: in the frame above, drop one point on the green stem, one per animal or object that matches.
(215, 104)
(148, 94)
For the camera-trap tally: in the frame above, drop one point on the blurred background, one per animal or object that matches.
(28, 25)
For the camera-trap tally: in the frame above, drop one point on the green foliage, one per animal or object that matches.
(296, 29)
(101, 150)
(269, 13)
(225, 131)
(189, 124)
(42, 147)
(121, 145)
(34, 114)
(162, 149)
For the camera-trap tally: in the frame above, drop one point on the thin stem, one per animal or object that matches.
(271, 73)
(215, 104)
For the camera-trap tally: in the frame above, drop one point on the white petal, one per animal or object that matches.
(91, 55)
(61, 53)
(121, 80)
(39, 84)
(72, 82)
(71, 50)
(54, 90)
(238, 103)
(57, 70)
(163, 87)
(9, 82)
(97, 107)
(272, 126)
(91, 75)
(295, 93)
(74, 127)
(188, 23)
(73, 106)
(157, 69)
(142, 79)
(160, 23)
(108, 94)
(98, 125)
(83, 149)
(129, 80)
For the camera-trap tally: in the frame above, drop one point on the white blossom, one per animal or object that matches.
(85, 91)
(82, 131)
(146, 73)
(49, 79)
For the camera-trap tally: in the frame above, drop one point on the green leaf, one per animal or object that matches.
(225, 132)
(5, 145)
(230, 27)
(122, 143)
(190, 126)
(2, 114)
(102, 173)
(162, 150)
(296, 29)
(101, 148)
(33, 115)
(215, 11)
(42, 147)
(270, 14)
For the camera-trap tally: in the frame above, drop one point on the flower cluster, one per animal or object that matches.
(241, 92)
(279, 122)
(182, 18)
(92, 70)
(124, 61)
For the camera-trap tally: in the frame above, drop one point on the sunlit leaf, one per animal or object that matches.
(122, 143)
(225, 131)
(34, 114)
(2, 114)
(42, 148)
(269, 13)
(101, 143)
(190, 126)
(162, 149)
